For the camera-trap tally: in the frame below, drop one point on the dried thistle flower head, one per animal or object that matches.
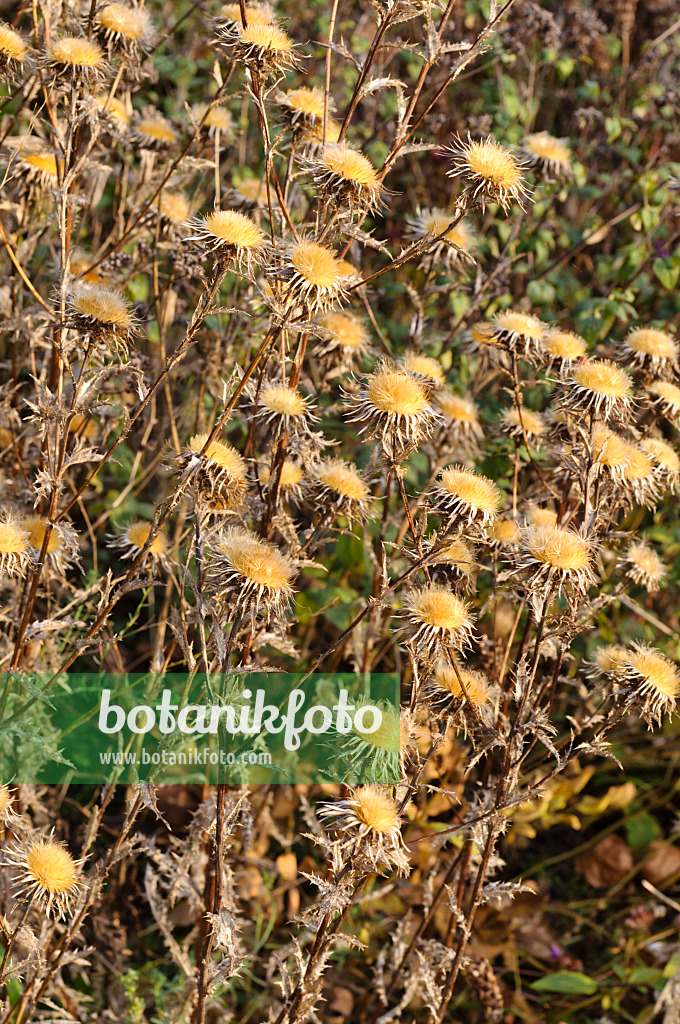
(613, 660)
(48, 874)
(314, 275)
(221, 470)
(475, 689)
(531, 423)
(453, 562)
(132, 540)
(461, 414)
(62, 543)
(155, 132)
(125, 28)
(465, 497)
(455, 245)
(291, 479)
(265, 49)
(504, 532)
(553, 559)
(302, 111)
(563, 347)
(611, 452)
(248, 575)
(667, 397)
(378, 754)
(112, 108)
(521, 333)
(481, 341)
(256, 14)
(345, 177)
(371, 820)
(15, 555)
(547, 156)
(230, 238)
(665, 460)
(75, 58)
(350, 335)
(14, 52)
(284, 408)
(656, 681)
(640, 478)
(437, 618)
(102, 312)
(427, 367)
(174, 208)
(490, 173)
(338, 488)
(215, 117)
(7, 813)
(42, 167)
(539, 515)
(644, 566)
(644, 346)
(248, 192)
(597, 386)
(393, 406)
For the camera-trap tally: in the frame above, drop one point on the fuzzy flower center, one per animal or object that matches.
(233, 229)
(51, 867)
(440, 609)
(124, 21)
(46, 163)
(350, 331)
(612, 658)
(396, 393)
(257, 561)
(560, 549)
(524, 324)
(36, 527)
(174, 207)
(283, 401)
(426, 366)
(457, 407)
(547, 147)
(344, 162)
(661, 453)
(602, 378)
(376, 809)
(343, 479)
(12, 539)
(105, 305)
(488, 160)
(476, 684)
(670, 393)
(12, 45)
(564, 344)
(267, 37)
(476, 491)
(505, 531)
(533, 422)
(649, 342)
(158, 129)
(656, 671)
(76, 52)
(306, 101)
(137, 535)
(316, 264)
(222, 455)
(646, 560)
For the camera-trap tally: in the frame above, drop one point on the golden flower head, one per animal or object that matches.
(531, 423)
(490, 173)
(128, 29)
(112, 108)
(664, 458)
(230, 237)
(424, 366)
(553, 558)
(249, 192)
(597, 386)
(371, 821)
(14, 547)
(563, 347)
(548, 156)
(538, 515)
(350, 336)
(101, 311)
(437, 617)
(337, 486)
(314, 275)
(644, 566)
(667, 397)
(641, 477)
(393, 406)
(256, 14)
(48, 874)
(215, 117)
(611, 452)
(249, 575)
(42, 166)
(221, 470)
(76, 58)
(452, 562)
(504, 532)
(475, 689)
(461, 414)
(455, 244)
(14, 53)
(174, 207)
(154, 132)
(132, 540)
(291, 478)
(466, 497)
(346, 177)
(613, 660)
(61, 542)
(645, 346)
(656, 681)
(263, 48)
(521, 333)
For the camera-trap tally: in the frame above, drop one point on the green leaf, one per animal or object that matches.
(666, 273)
(641, 831)
(569, 983)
